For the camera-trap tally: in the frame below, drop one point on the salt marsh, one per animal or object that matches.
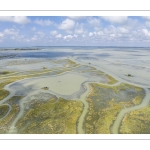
(69, 76)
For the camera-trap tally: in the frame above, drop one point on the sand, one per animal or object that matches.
(65, 84)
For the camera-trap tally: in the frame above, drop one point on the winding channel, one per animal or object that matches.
(123, 112)
(80, 129)
(10, 108)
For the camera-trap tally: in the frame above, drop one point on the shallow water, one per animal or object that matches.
(117, 62)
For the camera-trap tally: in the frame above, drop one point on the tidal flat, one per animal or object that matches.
(73, 94)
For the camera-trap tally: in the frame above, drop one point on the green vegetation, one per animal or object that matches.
(3, 110)
(3, 94)
(65, 62)
(4, 72)
(111, 80)
(45, 88)
(6, 122)
(71, 62)
(51, 117)
(105, 102)
(136, 122)
(44, 68)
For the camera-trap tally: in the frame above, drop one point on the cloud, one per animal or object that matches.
(68, 37)
(146, 17)
(146, 32)
(69, 31)
(11, 31)
(99, 33)
(90, 34)
(94, 21)
(77, 17)
(58, 36)
(15, 19)
(34, 38)
(112, 35)
(1, 34)
(79, 28)
(122, 30)
(79, 31)
(43, 22)
(53, 32)
(67, 24)
(34, 28)
(147, 23)
(115, 19)
(75, 35)
(42, 34)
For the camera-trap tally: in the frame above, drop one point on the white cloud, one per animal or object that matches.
(67, 24)
(11, 31)
(122, 30)
(79, 31)
(112, 35)
(34, 28)
(94, 21)
(58, 36)
(15, 19)
(146, 17)
(115, 19)
(1, 34)
(43, 22)
(34, 38)
(53, 32)
(77, 17)
(42, 34)
(69, 31)
(68, 37)
(90, 34)
(99, 33)
(147, 23)
(75, 35)
(146, 32)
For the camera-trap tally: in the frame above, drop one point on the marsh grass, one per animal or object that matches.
(103, 108)
(136, 122)
(6, 122)
(4, 72)
(51, 117)
(3, 110)
(111, 80)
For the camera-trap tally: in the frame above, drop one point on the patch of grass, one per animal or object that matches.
(6, 122)
(3, 94)
(111, 80)
(51, 117)
(104, 106)
(71, 62)
(4, 72)
(3, 110)
(45, 88)
(136, 122)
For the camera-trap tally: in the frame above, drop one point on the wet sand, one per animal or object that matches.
(117, 64)
(145, 101)
(64, 84)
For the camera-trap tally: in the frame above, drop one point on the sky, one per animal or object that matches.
(24, 31)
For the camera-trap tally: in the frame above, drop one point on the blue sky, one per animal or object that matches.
(19, 31)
